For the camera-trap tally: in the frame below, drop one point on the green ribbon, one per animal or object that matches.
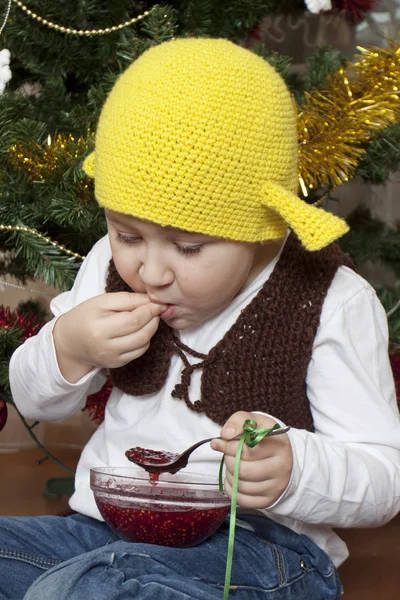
(250, 436)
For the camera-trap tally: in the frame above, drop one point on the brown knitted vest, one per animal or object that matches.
(261, 362)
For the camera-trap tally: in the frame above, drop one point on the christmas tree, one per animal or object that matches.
(64, 60)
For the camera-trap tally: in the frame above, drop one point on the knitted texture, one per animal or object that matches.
(200, 134)
(261, 362)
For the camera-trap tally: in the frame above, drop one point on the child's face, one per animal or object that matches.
(195, 274)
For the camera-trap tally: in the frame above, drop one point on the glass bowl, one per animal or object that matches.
(179, 510)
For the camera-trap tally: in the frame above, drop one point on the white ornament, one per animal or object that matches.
(316, 6)
(5, 71)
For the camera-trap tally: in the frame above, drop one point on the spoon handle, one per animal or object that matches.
(274, 432)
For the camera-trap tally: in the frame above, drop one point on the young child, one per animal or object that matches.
(224, 300)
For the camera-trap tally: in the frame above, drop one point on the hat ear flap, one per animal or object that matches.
(88, 165)
(314, 227)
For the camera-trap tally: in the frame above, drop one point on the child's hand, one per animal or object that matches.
(264, 470)
(106, 331)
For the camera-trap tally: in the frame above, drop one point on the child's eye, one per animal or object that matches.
(127, 239)
(188, 249)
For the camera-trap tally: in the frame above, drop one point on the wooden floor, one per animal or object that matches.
(371, 573)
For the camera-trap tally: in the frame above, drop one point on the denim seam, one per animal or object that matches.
(286, 584)
(42, 562)
(257, 588)
(278, 564)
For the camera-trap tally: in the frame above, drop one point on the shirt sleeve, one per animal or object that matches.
(347, 473)
(38, 388)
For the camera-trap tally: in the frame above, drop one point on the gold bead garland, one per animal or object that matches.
(35, 233)
(81, 32)
(5, 19)
(25, 288)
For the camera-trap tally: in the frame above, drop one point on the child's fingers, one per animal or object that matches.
(224, 446)
(123, 301)
(234, 425)
(144, 314)
(267, 448)
(118, 324)
(138, 339)
(121, 324)
(250, 488)
(254, 471)
(260, 497)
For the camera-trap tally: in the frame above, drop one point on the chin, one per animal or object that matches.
(178, 323)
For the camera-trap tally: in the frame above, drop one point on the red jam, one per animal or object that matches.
(146, 457)
(180, 529)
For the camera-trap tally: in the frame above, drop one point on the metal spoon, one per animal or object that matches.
(181, 460)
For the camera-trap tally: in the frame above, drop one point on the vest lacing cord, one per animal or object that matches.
(181, 390)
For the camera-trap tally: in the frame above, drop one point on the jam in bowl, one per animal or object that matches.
(180, 510)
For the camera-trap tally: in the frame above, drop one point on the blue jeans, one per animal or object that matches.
(79, 558)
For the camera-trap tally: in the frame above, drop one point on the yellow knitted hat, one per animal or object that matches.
(200, 134)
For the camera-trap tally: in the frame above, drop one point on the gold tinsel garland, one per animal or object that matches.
(338, 120)
(43, 162)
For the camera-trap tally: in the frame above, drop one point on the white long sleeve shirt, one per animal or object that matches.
(345, 474)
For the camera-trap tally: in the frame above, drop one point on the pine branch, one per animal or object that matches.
(321, 64)
(10, 338)
(382, 156)
(229, 19)
(48, 263)
(160, 25)
(43, 52)
(280, 62)
(370, 239)
(4, 369)
(197, 18)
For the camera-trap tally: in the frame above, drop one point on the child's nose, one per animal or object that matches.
(154, 272)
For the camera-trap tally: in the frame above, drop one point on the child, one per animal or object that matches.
(211, 312)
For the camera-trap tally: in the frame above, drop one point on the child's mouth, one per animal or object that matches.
(168, 312)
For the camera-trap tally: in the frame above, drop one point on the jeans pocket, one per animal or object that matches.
(289, 565)
(304, 576)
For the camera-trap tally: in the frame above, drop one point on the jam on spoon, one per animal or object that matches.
(148, 458)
